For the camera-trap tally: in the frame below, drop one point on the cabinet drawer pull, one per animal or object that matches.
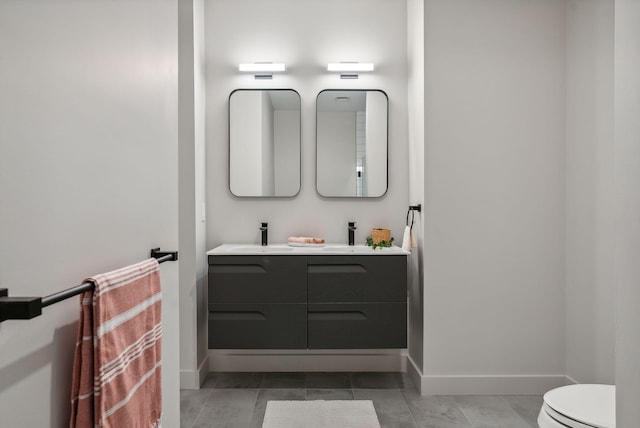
(336, 269)
(237, 269)
(237, 316)
(337, 316)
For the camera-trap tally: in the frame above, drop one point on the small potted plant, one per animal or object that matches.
(380, 238)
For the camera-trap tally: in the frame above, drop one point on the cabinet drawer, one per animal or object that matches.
(357, 279)
(263, 279)
(357, 325)
(258, 326)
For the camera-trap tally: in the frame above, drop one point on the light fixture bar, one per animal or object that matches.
(350, 66)
(262, 67)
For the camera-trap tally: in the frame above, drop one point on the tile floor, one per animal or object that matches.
(238, 400)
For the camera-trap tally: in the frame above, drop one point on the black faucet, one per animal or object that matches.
(352, 232)
(263, 229)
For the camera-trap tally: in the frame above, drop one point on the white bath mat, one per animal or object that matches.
(321, 414)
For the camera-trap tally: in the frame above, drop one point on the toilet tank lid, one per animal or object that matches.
(591, 404)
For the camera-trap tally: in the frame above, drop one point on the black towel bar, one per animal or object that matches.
(25, 308)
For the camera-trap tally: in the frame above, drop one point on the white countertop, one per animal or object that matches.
(322, 249)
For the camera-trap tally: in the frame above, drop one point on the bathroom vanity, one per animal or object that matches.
(329, 297)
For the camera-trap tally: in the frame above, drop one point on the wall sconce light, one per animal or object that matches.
(350, 70)
(262, 70)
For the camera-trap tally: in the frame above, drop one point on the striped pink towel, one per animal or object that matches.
(117, 367)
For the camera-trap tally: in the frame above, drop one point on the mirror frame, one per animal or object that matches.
(387, 162)
(229, 143)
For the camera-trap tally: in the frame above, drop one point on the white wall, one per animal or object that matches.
(494, 196)
(306, 36)
(627, 176)
(193, 307)
(590, 239)
(246, 157)
(268, 179)
(416, 117)
(200, 186)
(336, 153)
(88, 179)
(286, 130)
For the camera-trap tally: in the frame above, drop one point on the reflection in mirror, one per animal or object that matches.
(264, 142)
(351, 143)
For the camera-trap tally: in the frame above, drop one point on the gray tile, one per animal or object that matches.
(488, 411)
(434, 411)
(191, 402)
(282, 380)
(397, 401)
(227, 408)
(272, 394)
(329, 394)
(328, 380)
(371, 380)
(238, 380)
(210, 380)
(390, 407)
(527, 406)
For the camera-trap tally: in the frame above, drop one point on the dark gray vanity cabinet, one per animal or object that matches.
(257, 302)
(315, 301)
(357, 302)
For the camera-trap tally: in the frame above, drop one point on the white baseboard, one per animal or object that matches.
(571, 380)
(189, 379)
(484, 385)
(192, 379)
(225, 360)
(345, 360)
(491, 385)
(203, 369)
(414, 373)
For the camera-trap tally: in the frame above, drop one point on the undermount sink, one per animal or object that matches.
(263, 249)
(339, 249)
(284, 249)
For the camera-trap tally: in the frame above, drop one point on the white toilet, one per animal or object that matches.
(579, 406)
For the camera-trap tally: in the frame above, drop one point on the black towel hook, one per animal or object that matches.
(412, 210)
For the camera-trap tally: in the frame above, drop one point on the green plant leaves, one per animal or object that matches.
(381, 244)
